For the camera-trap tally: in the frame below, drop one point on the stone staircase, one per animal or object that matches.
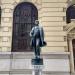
(20, 63)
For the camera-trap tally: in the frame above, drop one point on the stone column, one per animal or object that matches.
(71, 55)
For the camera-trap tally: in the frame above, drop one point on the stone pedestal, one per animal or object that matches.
(37, 66)
(37, 69)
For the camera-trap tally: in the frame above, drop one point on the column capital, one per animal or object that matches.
(70, 38)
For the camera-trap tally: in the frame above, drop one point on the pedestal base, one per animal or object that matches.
(37, 61)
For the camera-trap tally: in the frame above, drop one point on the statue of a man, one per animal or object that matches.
(37, 38)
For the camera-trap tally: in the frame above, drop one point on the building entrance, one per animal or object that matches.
(24, 17)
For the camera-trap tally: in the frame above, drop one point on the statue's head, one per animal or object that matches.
(36, 22)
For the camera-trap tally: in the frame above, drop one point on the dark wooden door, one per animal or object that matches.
(73, 43)
(23, 20)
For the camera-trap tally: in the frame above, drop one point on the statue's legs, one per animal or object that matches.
(37, 47)
(35, 44)
(37, 52)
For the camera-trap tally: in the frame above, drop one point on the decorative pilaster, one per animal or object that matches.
(71, 55)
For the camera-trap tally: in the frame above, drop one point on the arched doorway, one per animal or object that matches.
(23, 20)
(73, 44)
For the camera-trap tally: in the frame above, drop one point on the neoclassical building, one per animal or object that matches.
(17, 19)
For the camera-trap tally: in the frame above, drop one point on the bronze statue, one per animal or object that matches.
(37, 39)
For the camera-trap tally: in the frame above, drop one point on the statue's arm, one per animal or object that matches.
(32, 32)
(42, 33)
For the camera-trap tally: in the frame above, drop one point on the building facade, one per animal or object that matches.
(17, 19)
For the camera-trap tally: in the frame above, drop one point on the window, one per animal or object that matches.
(70, 13)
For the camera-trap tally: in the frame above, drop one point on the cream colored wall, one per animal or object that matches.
(51, 16)
(6, 24)
(73, 1)
(53, 20)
